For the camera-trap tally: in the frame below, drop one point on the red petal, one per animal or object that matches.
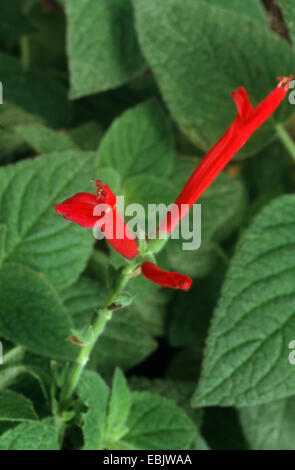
(126, 246)
(164, 278)
(79, 209)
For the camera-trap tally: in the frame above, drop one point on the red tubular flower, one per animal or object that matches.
(80, 209)
(164, 278)
(247, 121)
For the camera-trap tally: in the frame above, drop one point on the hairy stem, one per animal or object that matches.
(104, 315)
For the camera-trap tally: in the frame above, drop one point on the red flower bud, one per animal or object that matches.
(164, 278)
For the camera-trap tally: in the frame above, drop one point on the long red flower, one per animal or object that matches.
(246, 123)
(164, 278)
(80, 209)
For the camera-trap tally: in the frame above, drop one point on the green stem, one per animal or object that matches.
(14, 355)
(286, 139)
(104, 315)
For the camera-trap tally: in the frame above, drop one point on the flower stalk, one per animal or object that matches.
(104, 315)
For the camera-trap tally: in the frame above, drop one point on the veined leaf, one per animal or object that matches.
(32, 315)
(94, 393)
(16, 407)
(42, 435)
(246, 359)
(102, 45)
(36, 236)
(203, 53)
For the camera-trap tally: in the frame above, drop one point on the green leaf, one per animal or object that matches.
(119, 407)
(178, 391)
(82, 299)
(42, 435)
(138, 142)
(34, 92)
(202, 54)
(156, 423)
(146, 190)
(94, 393)
(45, 140)
(246, 359)
(102, 45)
(36, 235)
(252, 9)
(16, 407)
(31, 313)
(270, 426)
(124, 343)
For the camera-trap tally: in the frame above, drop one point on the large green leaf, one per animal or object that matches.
(270, 426)
(246, 359)
(36, 235)
(252, 9)
(42, 435)
(102, 45)
(94, 393)
(203, 53)
(16, 407)
(34, 92)
(177, 391)
(31, 313)
(156, 423)
(138, 142)
(82, 299)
